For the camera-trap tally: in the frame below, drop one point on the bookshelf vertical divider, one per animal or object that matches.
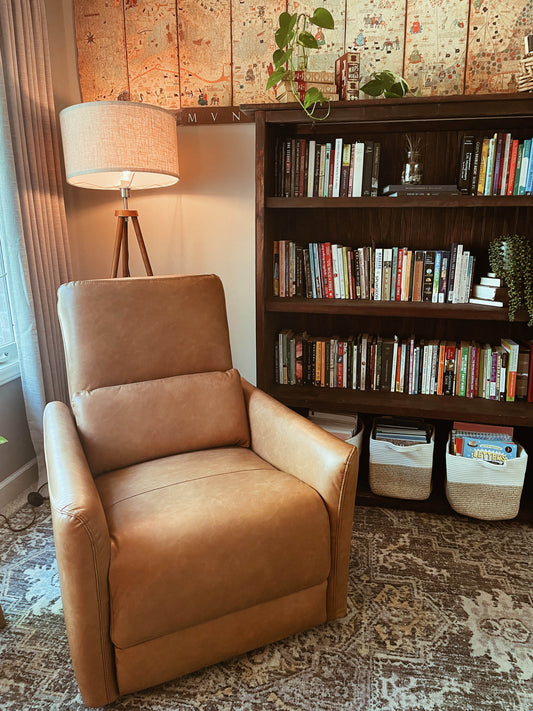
(428, 222)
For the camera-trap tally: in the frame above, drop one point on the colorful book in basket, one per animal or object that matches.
(492, 451)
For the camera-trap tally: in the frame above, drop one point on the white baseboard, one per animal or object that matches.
(18, 482)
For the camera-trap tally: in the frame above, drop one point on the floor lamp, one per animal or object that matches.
(121, 145)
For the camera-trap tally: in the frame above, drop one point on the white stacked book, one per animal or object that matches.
(342, 426)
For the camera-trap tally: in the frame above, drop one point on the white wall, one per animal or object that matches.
(204, 224)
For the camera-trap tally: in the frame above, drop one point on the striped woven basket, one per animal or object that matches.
(486, 491)
(401, 472)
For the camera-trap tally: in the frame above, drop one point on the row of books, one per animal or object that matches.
(488, 443)
(309, 168)
(405, 365)
(401, 430)
(333, 271)
(495, 165)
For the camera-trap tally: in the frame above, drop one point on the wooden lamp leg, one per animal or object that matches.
(121, 243)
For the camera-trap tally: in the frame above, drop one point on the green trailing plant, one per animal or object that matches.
(389, 85)
(511, 259)
(3, 440)
(293, 37)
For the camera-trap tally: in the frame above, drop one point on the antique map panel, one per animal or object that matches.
(204, 45)
(495, 44)
(253, 27)
(435, 45)
(152, 50)
(101, 50)
(376, 29)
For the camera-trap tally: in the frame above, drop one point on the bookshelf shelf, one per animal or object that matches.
(416, 222)
(385, 403)
(423, 201)
(364, 307)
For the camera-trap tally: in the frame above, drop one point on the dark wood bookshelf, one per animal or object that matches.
(418, 222)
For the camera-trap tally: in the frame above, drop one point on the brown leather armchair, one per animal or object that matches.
(195, 517)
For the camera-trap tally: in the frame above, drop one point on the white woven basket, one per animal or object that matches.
(401, 472)
(482, 490)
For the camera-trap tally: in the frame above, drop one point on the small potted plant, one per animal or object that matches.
(511, 259)
(389, 85)
(293, 37)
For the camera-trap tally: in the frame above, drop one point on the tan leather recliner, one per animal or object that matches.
(195, 517)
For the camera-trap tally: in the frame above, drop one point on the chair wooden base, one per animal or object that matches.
(121, 243)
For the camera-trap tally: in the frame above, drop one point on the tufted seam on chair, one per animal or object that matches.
(184, 481)
(110, 687)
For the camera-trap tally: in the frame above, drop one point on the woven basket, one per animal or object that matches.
(486, 491)
(401, 472)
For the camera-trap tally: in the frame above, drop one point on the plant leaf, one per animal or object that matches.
(284, 19)
(396, 90)
(3, 440)
(280, 57)
(313, 96)
(323, 18)
(283, 37)
(275, 77)
(306, 39)
(373, 88)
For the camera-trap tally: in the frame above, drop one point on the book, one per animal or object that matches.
(512, 348)
(490, 280)
(418, 274)
(513, 157)
(486, 302)
(466, 163)
(522, 372)
(375, 169)
(483, 166)
(484, 291)
(493, 451)
(358, 164)
(368, 164)
(342, 426)
(524, 167)
(429, 268)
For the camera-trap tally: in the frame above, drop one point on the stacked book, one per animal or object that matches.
(489, 292)
(332, 271)
(495, 165)
(417, 190)
(489, 443)
(297, 83)
(336, 168)
(347, 76)
(414, 366)
(342, 426)
(401, 431)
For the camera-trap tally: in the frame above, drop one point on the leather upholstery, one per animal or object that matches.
(194, 516)
(215, 416)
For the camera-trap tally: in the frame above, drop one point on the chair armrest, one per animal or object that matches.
(83, 552)
(295, 445)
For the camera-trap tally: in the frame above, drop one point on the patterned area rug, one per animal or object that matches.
(440, 619)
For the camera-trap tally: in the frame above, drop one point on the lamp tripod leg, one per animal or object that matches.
(142, 246)
(116, 249)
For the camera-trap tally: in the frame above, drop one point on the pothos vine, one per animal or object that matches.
(511, 259)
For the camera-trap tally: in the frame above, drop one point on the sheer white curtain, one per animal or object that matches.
(32, 213)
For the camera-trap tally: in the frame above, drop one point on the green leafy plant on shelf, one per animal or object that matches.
(294, 38)
(511, 259)
(389, 85)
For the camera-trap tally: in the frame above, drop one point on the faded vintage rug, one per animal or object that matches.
(440, 619)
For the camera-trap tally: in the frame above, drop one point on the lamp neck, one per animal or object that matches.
(125, 193)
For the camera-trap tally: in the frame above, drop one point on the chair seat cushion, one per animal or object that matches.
(199, 535)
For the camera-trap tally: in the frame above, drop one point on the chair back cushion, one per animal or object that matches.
(120, 425)
(149, 368)
(129, 330)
